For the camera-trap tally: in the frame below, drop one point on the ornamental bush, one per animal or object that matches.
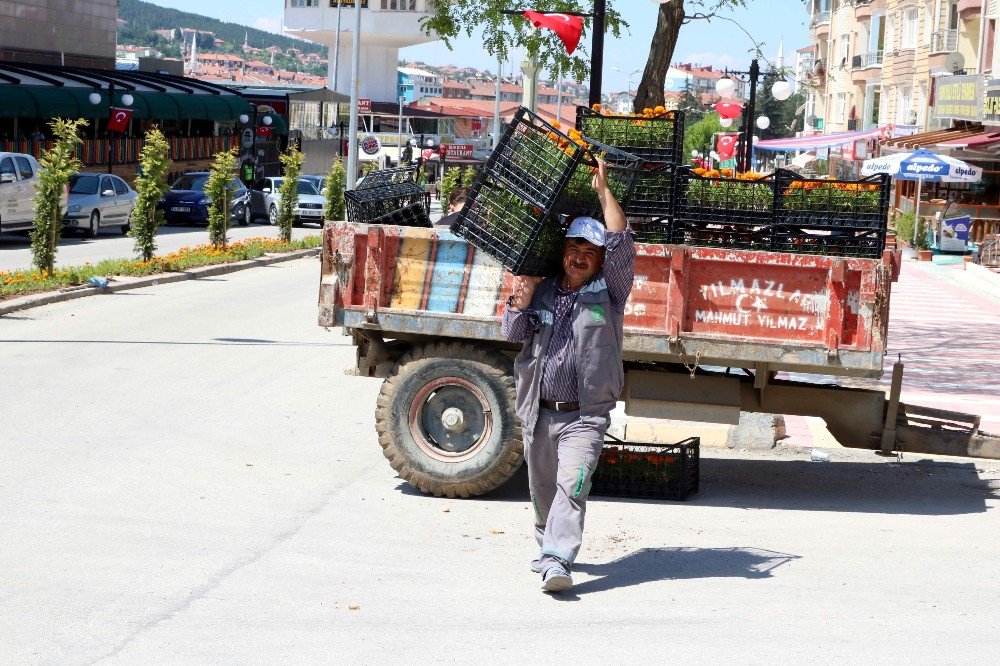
(219, 191)
(58, 163)
(288, 193)
(151, 184)
(336, 181)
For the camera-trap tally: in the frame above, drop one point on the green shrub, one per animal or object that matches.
(336, 181)
(288, 193)
(58, 163)
(218, 190)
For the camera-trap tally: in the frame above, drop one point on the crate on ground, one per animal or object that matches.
(645, 470)
(579, 198)
(658, 139)
(367, 205)
(533, 159)
(837, 204)
(382, 177)
(526, 238)
(413, 215)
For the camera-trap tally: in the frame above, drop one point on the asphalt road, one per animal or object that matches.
(75, 250)
(188, 477)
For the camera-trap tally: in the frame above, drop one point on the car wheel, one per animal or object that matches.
(95, 225)
(247, 216)
(273, 215)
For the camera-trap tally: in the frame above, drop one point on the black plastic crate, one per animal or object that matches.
(837, 204)
(532, 159)
(722, 201)
(659, 139)
(863, 243)
(645, 470)
(382, 177)
(526, 238)
(652, 230)
(579, 198)
(654, 192)
(367, 205)
(413, 215)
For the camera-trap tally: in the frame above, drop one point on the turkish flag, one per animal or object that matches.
(264, 131)
(119, 120)
(726, 146)
(569, 28)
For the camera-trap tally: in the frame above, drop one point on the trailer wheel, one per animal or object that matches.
(446, 422)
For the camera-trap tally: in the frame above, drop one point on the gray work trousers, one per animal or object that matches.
(562, 454)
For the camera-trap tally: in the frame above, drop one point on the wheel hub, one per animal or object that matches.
(453, 419)
(450, 417)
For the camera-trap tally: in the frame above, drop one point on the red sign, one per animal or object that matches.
(457, 150)
(364, 105)
(477, 125)
(119, 120)
(264, 131)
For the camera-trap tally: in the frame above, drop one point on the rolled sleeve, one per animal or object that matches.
(518, 324)
(619, 265)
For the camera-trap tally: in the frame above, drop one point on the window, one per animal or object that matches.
(841, 108)
(120, 186)
(305, 3)
(845, 49)
(904, 105)
(400, 5)
(890, 32)
(7, 167)
(24, 166)
(908, 35)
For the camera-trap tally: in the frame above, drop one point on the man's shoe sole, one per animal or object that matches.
(557, 583)
(536, 566)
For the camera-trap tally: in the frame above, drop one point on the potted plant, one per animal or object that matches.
(923, 246)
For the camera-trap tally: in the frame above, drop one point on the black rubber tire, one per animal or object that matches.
(272, 217)
(93, 226)
(499, 457)
(247, 216)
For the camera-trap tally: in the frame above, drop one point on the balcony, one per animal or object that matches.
(820, 18)
(944, 41)
(866, 60)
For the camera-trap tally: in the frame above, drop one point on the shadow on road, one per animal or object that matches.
(655, 564)
(921, 487)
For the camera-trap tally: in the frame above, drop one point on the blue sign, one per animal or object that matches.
(954, 235)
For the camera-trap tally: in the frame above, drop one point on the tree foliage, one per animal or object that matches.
(336, 182)
(151, 184)
(698, 135)
(781, 114)
(503, 34)
(58, 163)
(288, 193)
(451, 179)
(218, 189)
(468, 176)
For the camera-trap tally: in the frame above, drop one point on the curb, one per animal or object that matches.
(80, 291)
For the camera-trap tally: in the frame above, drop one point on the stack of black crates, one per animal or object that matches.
(535, 181)
(389, 196)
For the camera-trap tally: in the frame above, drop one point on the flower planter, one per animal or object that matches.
(925, 255)
(654, 137)
(651, 471)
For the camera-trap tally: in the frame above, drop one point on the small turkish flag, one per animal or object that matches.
(119, 120)
(264, 131)
(569, 28)
(726, 146)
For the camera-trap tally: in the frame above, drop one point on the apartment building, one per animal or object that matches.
(416, 84)
(53, 32)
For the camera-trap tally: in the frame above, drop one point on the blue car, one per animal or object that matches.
(186, 202)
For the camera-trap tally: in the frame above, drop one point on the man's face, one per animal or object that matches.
(581, 260)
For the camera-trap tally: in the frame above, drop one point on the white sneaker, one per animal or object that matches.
(556, 579)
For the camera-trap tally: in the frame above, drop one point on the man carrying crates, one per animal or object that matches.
(569, 374)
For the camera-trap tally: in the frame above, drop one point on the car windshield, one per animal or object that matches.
(190, 182)
(84, 184)
(305, 187)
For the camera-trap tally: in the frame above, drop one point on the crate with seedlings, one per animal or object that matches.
(579, 198)
(650, 471)
(383, 177)
(368, 205)
(413, 215)
(655, 135)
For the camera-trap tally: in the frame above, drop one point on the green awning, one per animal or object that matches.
(74, 102)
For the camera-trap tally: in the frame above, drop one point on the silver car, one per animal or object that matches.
(264, 202)
(98, 200)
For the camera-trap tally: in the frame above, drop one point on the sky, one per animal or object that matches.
(718, 42)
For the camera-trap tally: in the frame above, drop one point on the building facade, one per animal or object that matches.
(416, 84)
(53, 32)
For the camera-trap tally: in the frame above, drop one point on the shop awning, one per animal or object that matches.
(818, 141)
(930, 139)
(981, 140)
(45, 91)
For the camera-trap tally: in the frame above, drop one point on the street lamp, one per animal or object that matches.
(266, 120)
(127, 100)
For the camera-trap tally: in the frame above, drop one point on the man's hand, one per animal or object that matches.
(600, 180)
(524, 289)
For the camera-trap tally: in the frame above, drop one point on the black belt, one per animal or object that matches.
(560, 406)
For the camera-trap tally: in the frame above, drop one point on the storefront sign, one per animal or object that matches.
(958, 98)
(457, 151)
(991, 106)
(954, 234)
(364, 105)
(371, 145)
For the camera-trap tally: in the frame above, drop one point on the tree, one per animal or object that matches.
(288, 193)
(468, 176)
(690, 102)
(672, 15)
(698, 136)
(451, 179)
(218, 189)
(503, 33)
(58, 163)
(336, 181)
(151, 184)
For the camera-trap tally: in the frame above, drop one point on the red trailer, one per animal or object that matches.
(707, 332)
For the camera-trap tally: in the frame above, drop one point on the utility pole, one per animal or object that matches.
(496, 107)
(352, 145)
(597, 51)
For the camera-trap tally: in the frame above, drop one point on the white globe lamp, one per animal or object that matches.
(244, 118)
(725, 87)
(127, 99)
(267, 120)
(763, 122)
(726, 122)
(781, 90)
(95, 98)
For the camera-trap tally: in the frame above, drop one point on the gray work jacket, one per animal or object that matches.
(598, 335)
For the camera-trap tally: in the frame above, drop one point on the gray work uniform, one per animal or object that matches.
(572, 353)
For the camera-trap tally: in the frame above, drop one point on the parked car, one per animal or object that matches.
(18, 180)
(98, 200)
(186, 201)
(264, 201)
(319, 182)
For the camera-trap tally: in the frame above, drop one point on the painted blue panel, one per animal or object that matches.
(449, 273)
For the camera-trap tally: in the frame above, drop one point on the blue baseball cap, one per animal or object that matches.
(588, 229)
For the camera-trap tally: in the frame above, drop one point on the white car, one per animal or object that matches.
(98, 200)
(264, 202)
(18, 180)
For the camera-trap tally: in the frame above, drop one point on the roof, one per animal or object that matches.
(45, 91)
(413, 71)
(925, 139)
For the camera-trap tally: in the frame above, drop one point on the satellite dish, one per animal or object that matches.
(812, 120)
(955, 62)
(818, 67)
